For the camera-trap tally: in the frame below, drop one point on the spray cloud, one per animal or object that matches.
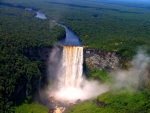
(135, 77)
(69, 83)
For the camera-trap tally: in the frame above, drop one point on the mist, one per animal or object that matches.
(88, 90)
(134, 78)
(82, 88)
(54, 64)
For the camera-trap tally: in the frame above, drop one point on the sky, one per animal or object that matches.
(135, 1)
(131, 1)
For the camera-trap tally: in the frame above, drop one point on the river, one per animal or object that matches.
(71, 38)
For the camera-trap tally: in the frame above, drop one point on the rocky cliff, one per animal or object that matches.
(95, 59)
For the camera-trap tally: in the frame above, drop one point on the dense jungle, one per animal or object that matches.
(106, 26)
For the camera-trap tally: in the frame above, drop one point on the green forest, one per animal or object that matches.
(19, 31)
(101, 26)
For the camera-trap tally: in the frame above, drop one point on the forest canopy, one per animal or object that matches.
(103, 25)
(99, 25)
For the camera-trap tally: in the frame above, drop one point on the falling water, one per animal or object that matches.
(70, 84)
(65, 70)
(71, 71)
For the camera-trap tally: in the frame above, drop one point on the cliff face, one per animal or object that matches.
(36, 53)
(95, 59)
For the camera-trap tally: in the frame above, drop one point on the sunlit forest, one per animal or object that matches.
(106, 26)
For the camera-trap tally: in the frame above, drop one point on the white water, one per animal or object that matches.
(71, 71)
(71, 85)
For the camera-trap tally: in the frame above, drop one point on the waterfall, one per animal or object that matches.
(72, 67)
(69, 85)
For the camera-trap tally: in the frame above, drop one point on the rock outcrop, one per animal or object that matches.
(101, 59)
(92, 57)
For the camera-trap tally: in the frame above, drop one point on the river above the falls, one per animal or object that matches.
(71, 38)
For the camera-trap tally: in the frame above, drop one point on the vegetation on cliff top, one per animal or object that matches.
(104, 26)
